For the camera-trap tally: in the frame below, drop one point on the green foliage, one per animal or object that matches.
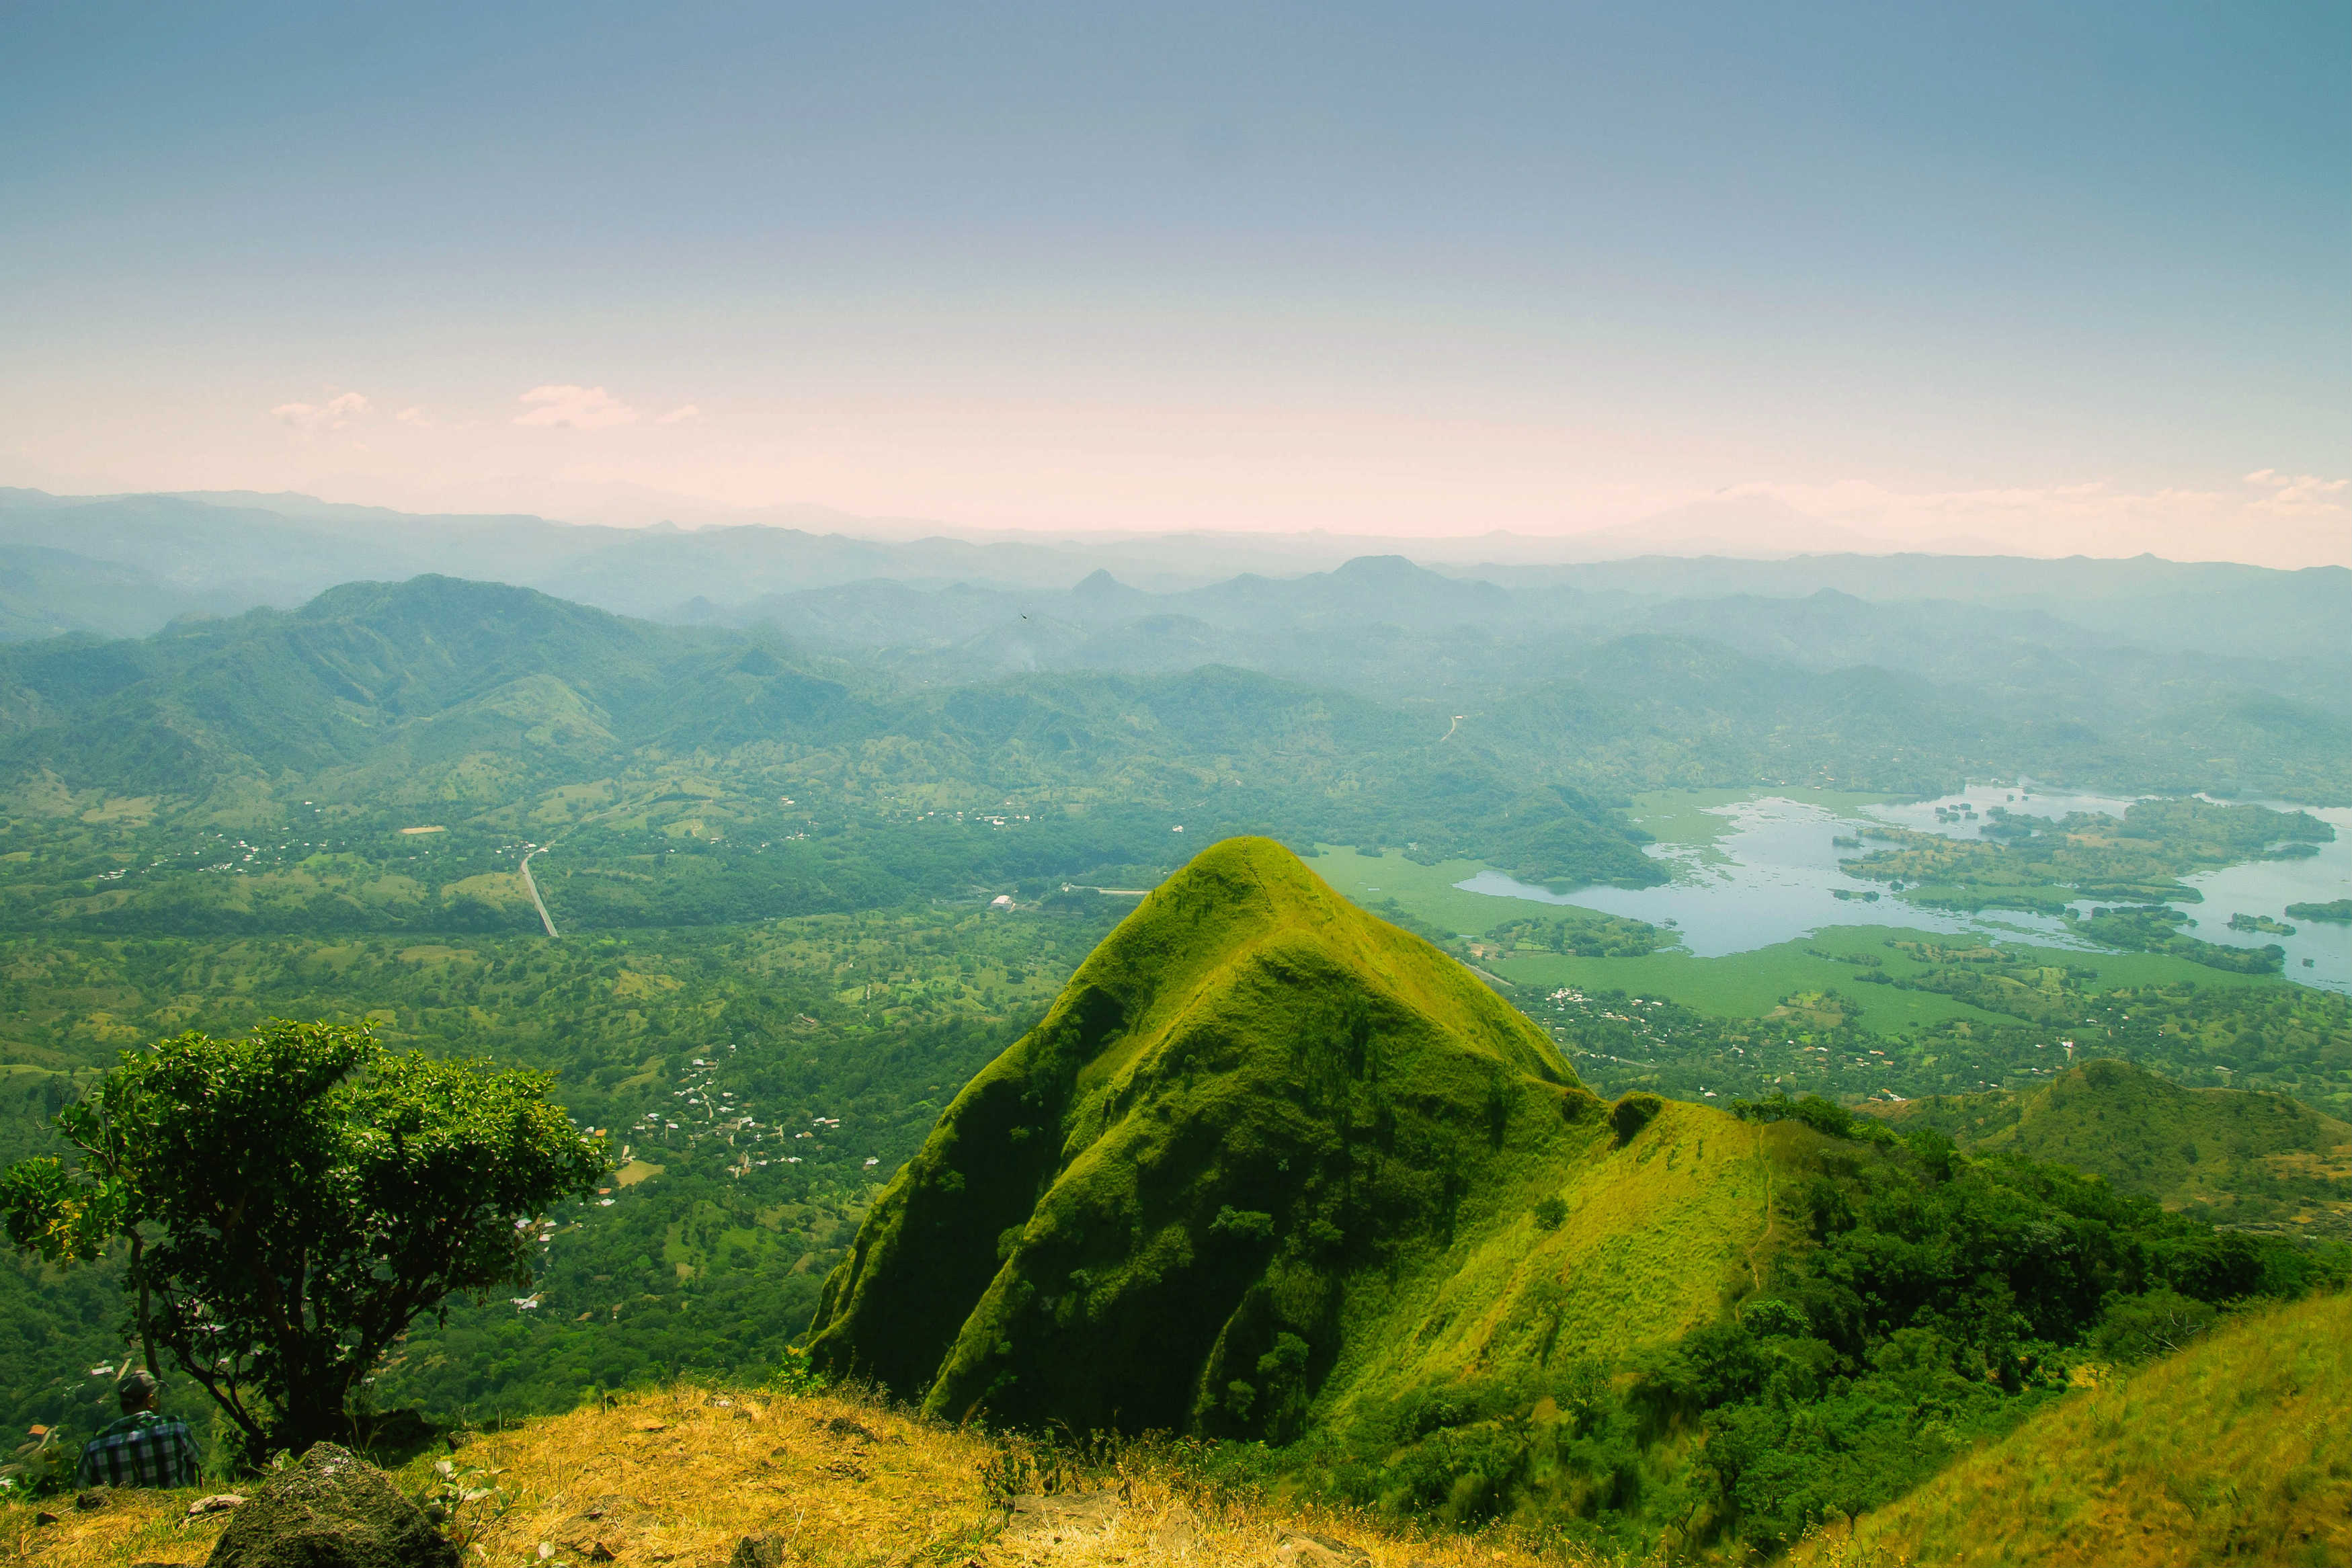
(2155, 1323)
(464, 1500)
(1579, 934)
(870, 1020)
(2153, 931)
(1244, 1226)
(2215, 1029)
(770, 870)
(1933, 1301)
(1903, 1300)
(1824, 1116)
(1632, 1113)
(2341, 909)
(2234, 1441)
(42, 1466)
(291, 1202)
(519, 717)
(796, 1375)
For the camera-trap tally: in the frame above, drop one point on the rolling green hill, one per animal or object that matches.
(441, 694)
(2243, 1157)
(428, 670)
(2238, 1449)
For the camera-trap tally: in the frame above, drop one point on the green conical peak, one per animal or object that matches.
(1250, 1093)
(1249, 900)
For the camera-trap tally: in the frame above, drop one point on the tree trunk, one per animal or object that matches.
(146, 1334)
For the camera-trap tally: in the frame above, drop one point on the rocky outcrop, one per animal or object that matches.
(332, 1509)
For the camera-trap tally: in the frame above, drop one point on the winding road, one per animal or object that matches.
(529, 882)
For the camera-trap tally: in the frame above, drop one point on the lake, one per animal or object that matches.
(1752, 871)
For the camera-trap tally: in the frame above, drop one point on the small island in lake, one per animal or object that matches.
(2261, 923)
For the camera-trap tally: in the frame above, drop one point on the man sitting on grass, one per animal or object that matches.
(143, 1448)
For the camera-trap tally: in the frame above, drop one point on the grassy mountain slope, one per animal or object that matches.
(2235, 1156)
(1653, 1236)
(2237, 1449)
(1269, 1154)
(1251, 1093)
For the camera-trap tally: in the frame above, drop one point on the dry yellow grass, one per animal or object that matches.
(681, 1477)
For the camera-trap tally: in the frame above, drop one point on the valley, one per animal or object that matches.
(1243, 786)
(772, 913)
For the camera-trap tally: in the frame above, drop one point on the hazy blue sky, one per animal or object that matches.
(1441, 268)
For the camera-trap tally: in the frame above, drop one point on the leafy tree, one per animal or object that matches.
(290, 1203)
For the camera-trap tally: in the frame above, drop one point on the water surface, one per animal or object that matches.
(1772, 875)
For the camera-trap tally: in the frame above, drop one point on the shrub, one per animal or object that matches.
(1634, 1112)
(2152, 1324)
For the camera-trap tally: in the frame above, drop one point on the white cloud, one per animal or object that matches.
(581, 408)
(680, 414)
(333, 414)
(413, 416)
(2297, 494)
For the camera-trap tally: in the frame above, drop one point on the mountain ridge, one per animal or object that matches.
(440, 687)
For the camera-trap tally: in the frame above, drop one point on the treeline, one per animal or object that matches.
(1931, 1300)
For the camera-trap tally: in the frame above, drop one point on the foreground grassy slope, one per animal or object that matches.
(2238, 1449)
(682, 1474)
(2235, 1156)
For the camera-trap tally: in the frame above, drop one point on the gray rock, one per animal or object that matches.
(604, 1529)
(334, 1509)
(1300, 1549)
(1056, 1517)
(761, 1551)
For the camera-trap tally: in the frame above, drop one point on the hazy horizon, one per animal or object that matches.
(2015, 281)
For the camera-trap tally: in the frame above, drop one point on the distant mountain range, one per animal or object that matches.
(1413, 675)
(123, 565)
(1893, 672)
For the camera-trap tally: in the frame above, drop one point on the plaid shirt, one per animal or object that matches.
(142, 1449)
